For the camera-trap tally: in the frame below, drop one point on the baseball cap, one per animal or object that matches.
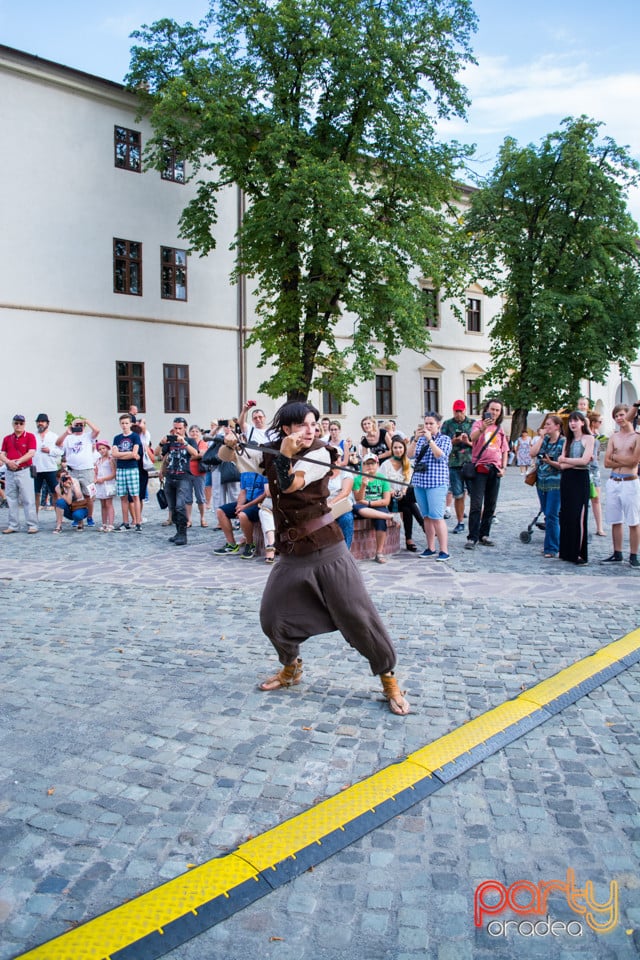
(369, 456)
(459, 405)
(180, 420)
(103, 443)
(19, 416)
(42, 418)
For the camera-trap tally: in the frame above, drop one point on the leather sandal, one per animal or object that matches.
(289, 676)
(398, 704)
(380, 558)
(411, 546)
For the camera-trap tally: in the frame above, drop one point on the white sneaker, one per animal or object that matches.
(447, 513)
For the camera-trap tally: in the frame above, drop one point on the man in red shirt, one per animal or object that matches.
(17, 453)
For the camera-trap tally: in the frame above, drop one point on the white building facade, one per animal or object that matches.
(101, 305)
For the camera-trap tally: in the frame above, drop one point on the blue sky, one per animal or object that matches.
(537, 63)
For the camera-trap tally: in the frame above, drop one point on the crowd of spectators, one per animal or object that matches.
(387, 476)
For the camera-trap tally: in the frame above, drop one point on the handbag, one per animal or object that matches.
(161, 497)
(468, 470)
(210, 457)
(531, 475)
(472, 468)
(229, 472)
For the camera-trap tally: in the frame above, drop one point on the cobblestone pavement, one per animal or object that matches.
(134, 742)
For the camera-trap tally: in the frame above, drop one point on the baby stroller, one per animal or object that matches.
(525, 535)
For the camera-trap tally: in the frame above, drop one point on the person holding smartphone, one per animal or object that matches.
(489, 454)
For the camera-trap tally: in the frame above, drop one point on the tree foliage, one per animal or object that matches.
(323, 113)
(550, 232)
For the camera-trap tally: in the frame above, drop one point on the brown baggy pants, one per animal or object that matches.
(319, 593)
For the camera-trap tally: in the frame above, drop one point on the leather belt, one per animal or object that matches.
(627, 476)
(293, 534)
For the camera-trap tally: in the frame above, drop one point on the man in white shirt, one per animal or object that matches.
(77, 447)
(256, 432)
(46, 459)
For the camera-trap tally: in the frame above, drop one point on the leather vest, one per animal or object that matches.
(291, 511)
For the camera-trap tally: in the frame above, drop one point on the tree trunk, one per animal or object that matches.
(297, 396)
(518, 423)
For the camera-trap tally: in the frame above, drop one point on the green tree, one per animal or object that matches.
(323, 113)
(549, 231)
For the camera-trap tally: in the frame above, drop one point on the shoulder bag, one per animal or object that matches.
(469, 468)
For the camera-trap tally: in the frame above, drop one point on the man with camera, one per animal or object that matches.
(77, 449)
(17, 453)
(177, 451)
(458, 429)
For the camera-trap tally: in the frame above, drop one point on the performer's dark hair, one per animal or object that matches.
(289, 413)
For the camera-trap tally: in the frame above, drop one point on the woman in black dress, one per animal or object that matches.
(574, 489)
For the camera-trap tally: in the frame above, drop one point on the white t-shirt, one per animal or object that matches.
(257, 436)
(78, 451)
(335, 484)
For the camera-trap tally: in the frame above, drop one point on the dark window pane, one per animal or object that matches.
(130, 385)
(173, 273)
(127, 149)
(384, 406)
(474, 323)
(127, 267)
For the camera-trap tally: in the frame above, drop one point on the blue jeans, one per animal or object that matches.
(345, 522)
(550, 503)
(70, 513)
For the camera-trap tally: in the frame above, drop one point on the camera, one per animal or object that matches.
(77, 428)
(251, 403)
(223, 423)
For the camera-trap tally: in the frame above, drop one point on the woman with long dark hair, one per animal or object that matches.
(574, 489)
(397, 469)
(489, 454)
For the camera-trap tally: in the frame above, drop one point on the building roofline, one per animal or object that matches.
(30, 63)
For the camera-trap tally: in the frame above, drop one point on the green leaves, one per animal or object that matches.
(322, 112)
(551, 232)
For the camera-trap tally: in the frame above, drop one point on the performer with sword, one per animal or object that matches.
(316, 586)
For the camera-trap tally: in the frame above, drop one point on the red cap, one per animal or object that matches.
(459, 405)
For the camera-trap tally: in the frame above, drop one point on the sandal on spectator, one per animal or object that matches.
(411, 546)
(270, 554)
(380, 558)
(289, 676)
